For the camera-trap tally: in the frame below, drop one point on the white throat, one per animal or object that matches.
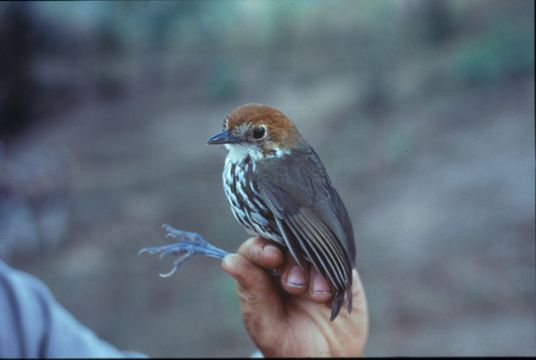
(238, 153)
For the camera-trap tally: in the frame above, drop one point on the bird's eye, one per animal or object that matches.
(259, 132)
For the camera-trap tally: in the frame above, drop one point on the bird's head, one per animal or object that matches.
(258, 131)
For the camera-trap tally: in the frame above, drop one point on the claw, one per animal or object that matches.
(177, 264)
(189, 243)
(168, 274)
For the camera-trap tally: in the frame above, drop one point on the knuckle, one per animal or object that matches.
(254, 253)
(248, 297)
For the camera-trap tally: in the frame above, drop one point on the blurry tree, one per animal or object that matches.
(16, 83)
(109, 48)
(505, 50)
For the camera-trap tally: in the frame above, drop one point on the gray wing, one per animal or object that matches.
(310, 215)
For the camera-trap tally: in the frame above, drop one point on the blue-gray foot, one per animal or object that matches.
(189, 244)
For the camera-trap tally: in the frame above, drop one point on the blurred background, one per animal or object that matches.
(422, 112)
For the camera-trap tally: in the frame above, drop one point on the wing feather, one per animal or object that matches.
(316, 257)
(325, 241)
(310, 216)
(296, 250)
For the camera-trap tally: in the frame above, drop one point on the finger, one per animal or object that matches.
(320, 289)
(359, 303)
(262, 252)
(358, 318)
(293, 278)
(260, 301)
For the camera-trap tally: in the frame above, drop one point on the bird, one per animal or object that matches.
(278, 189)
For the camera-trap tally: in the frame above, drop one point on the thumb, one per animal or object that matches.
(260, 301)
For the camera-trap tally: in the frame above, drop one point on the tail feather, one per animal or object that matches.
(338, 300)
(349, 300)
(336, 304)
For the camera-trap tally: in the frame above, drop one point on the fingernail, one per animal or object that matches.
(320, 285)
(228, 262)
(230, 265)
(271, 249)
(295, 277)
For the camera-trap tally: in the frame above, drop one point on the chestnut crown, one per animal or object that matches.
(260, 126)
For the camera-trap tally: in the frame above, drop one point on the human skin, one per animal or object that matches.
(288, 316)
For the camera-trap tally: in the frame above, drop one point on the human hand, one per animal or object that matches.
(288, 316)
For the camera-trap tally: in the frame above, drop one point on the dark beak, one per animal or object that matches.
(225, 137)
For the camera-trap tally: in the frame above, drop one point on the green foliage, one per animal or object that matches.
(504, 51)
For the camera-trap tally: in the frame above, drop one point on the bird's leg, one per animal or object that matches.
(189, 244)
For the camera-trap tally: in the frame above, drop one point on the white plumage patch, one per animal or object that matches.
(280, 153)
(239, 152)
